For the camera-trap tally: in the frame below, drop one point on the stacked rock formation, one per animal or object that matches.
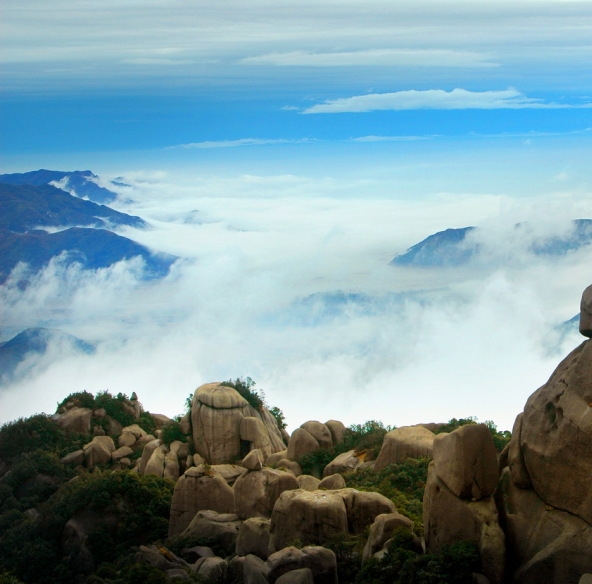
(545, 492)
(225, 427)
(458, 501)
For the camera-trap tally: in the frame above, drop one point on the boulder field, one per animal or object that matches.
(239, 485)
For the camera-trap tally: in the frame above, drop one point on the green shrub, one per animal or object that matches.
(255, 398)
(37, 433)
(364, 438)
(147, 422)
(401, 564)
(31, 549)
(403, 483)
(171, 431)
(245, 389)
(81, 399)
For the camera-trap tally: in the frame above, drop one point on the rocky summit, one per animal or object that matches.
(105, 492)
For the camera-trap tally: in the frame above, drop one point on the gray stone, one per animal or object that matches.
(403, 443)
(300, 576)
(466, 461)
(321, 562)
(586, 312)
(253, 537)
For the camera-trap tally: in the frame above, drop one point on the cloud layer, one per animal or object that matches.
(436, 99)
(254, 297)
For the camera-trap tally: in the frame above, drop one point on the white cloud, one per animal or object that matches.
(53, 46)
(476, 343)
(435, 99)
(374, 57)
(208, 144)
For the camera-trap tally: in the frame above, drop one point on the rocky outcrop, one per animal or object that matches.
(98, 451)
(75, 419)
(382, 530)
(301, 442)
(544, 544)
(321, 562)
(457, 504)
(257, 491)
(253, 537)
(314, 517)
(221, 529)
(556, 435)
(198, 490)
(586, 313)
(545, 496)
(220, 434)
(343, 462)
(337, 430)
(310, 517)
(402, 443)
(466, 461)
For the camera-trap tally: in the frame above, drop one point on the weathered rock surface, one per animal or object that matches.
(253, 537)
(308, 482)
(289, 465)
(213, 569)
(337, 430)
(311, 517)
(74, 458)
(556, 436)
(75, 420)
(195, 491)
(219, 528)
(301, 443)
(320, 432)
(466, 461)
(147, 451)
(254, 460)
(253, 430)
(155, 464)
(256, 492)
(382, 530)
(449, 519)
(586, 312)
(98, 451)
(545, 544)
(321, 562)
(343, 462)
(363, 508)
(122, 452)
(254, 570)
(402, 443)
(217, 413)
(300, 576)
(332, 482)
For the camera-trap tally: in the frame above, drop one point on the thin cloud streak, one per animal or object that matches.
(375, 57)
(436, 99)
(209, 144)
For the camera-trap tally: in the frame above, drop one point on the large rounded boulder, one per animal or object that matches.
(556, 435)
(217, 417)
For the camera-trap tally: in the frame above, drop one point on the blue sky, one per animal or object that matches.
(150, 75)
(286, 149)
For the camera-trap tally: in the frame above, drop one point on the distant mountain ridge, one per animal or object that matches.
(26, 207)
(35, 341)
(91, 248)
(454, 247)
(81, 183)
(26, 210)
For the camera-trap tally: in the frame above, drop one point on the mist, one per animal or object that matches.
(286, 279)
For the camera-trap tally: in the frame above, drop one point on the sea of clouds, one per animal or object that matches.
(286, 279)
